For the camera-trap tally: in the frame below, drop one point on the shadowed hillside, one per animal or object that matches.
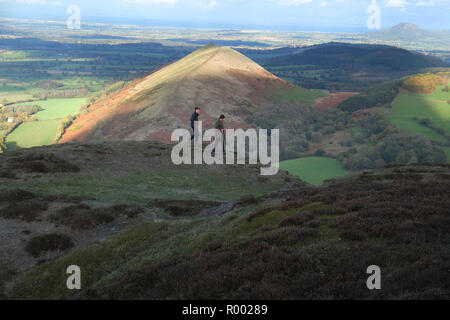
(360, 58)
(345, 66)
(285, 240)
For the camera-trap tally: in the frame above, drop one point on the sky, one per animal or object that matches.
(308, 15)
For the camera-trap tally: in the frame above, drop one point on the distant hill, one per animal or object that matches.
(409, 32)
(359, 57)
(219, 80)
(344, 66)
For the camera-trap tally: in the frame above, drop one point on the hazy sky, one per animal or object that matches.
(339, 15)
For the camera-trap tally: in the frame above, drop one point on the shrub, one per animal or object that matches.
(183, 208)
(46, 163)
(320, 153)
(49, 242)
(246, 200)
(13, 195)
(423, 84)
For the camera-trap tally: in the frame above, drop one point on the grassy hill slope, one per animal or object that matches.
(301, 243)
(314, 170)
(32, 134)
(409, 109)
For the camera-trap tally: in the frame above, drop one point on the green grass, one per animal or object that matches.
(447, 153)
(438, 94)
(297, 94)
(314, 170)
(407, 106)
(43, 132)
(32, 134)
(58, 108)
(140, 187)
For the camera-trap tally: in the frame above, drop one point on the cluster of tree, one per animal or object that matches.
(300, 126)
(69, 93)
(423, 83)
(6, 102)
(410, 149)
(67, 122)
(2, 145)
(376, 96)
(387, 145)
(49, 84)
(427, 123)
(13, 110)
(394, 149)
(18, 116)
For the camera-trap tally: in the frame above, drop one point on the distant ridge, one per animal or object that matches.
(359, 57)
(406, 31)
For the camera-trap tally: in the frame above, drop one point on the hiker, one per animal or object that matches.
(220, 126)
(194, 118)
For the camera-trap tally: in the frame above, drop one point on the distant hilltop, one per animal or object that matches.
(406, 31)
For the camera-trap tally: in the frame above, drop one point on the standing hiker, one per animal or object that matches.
(220, 126)
(194, 119)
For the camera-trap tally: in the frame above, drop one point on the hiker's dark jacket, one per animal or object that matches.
(193, 119)
(219, 125)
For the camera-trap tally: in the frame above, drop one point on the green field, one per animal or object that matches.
(57, 108)
(439, 93)
(314, 170)
(297, 94)
(32, 134)
(43, 132)
(408, 106)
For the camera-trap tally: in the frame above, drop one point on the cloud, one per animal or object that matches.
(42, 2)
(171, 2)
(293, 2)
(396, 3)
(425, 3)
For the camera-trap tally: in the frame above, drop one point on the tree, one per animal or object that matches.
(320, 153)
(2, 145)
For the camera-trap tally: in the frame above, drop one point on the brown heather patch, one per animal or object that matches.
(49, 242)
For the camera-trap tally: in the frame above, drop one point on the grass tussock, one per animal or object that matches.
(49, 242)
(83, 217)
(183, 208)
